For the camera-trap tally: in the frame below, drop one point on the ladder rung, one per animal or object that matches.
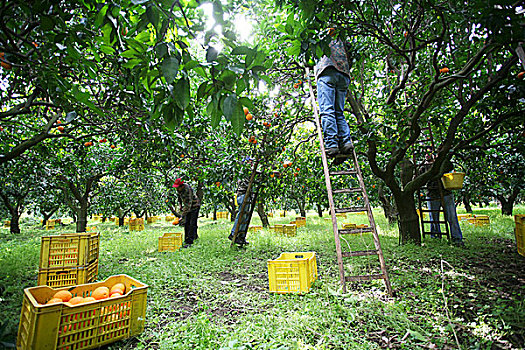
(360, 253)
(350, 210)
(343, 172)
(364, 277)
(355, 231)
(348, 190)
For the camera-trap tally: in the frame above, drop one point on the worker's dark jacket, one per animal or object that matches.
(188, 200)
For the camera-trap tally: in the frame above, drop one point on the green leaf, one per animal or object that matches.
(153, 16)
(161, 50)
(230, 103)
(241, 50)
(47, 23)
(170, 68)
(130, 53)
(131, 63)
(228, 77)
(238, 120)
(211, 54)
(181, 92)
(246, 102)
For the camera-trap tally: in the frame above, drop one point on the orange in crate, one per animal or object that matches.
(86, 325)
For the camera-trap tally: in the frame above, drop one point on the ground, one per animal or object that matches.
(212, 297)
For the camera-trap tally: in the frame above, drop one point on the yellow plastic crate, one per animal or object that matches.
(349, 226)
(136, 227)
(270, 215)
(519, 220)
(462, 217)
(170, 218)
(50, 224)
(453, 181)
(290, 230)
(69, 250)
(282, 214)
(278, 228)
(479, 220)
(255, 228)
(170, 241)
(339, 215)
(68, 276)
(83, 326)
(222, 215)
(292, 273)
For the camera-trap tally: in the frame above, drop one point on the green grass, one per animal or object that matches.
(212, 297)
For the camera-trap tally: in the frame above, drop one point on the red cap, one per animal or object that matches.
(178, 182)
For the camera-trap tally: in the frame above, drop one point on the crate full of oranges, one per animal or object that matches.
(82, 317)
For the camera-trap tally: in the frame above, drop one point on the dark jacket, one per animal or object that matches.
(434, 185)
(188, 200)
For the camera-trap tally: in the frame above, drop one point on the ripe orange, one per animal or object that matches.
(331, 31)
(373, 186)
(182, 155)
(406, 33)
(87, 144)
(75, 300)
(295, 174)
(268, 125)
(246, 110)
(298, 169)
(100, 293)
(35, 44)
(115, 295)
(295, 86)
(249, 116)
(102, 140)
(176, 221)
(521, 75)
(285, 165)
(112, 146)
(299, 82)
(444, 70)
(217, 183)
(88, 300)
(63, 295)
(60, 128)
(120, 286)
(59, 122)
(272, 175)
(54, 301)
(4, 63)
(254, 141)
(265, 123)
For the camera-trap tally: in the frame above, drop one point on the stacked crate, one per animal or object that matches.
(222, 215)
(136, 224)
(68, 259)
(170, 242)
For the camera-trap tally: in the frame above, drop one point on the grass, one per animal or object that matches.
(212, 297)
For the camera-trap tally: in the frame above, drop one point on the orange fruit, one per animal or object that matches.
(299, 82)
(373, 186)
(521, 75)
(100, 293)
(331, 31)
(444, 70)
(4, 63)
(87, 144)
(272, 175)
(268, 125)
(217, 183)
(59, 122)
(120, 286)
(176, 221)
(54, 301)
(249, 116)
(295, 174)
(60, 128)
(298, 169)
(88, 300)
(406, 33)
(246, 110)
(254, 142)
(115, 295)
(63, 295)
(182, 155)
(295, 86)
(102, 140)
(35, 44)
(113, 146)
(75, 300)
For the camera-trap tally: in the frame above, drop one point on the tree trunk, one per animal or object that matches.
(319, 210)
(389, 209)
(82, 216)
(15, 225)
(301, 205)
(466, 203)
(200, 190)
(262, 213)
(508, 204)
(408, 220)
(215, 213)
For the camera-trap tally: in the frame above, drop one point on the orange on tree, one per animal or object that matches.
(249, 116)
(3, 62)
(112, 146)
(60, 128)
(102, 140)
(444, 70)
(331, 31)
(217, 183)
(63, 295)
(272, 175)
(268, 125)
(100, 293)
(521, 75)
(176, 221)
(246, 110)
(89, 143)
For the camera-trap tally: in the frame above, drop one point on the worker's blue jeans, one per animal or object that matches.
(332, 87)
(450, 211)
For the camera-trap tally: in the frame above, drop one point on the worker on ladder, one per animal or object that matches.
(242, 186)
(333, 78)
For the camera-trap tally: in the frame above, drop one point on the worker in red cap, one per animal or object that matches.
(189, 211)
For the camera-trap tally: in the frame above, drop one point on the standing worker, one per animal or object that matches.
(434, 191)
(189, 207)
(333, 77)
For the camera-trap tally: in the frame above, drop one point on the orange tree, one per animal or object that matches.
(414, 65)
